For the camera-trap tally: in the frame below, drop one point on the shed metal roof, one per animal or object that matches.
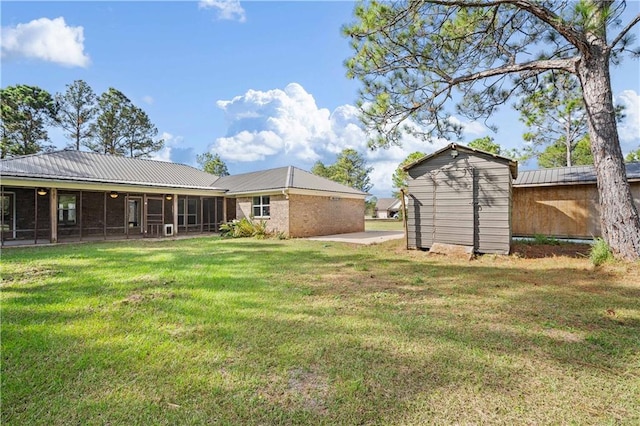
(576, 175)
(103, 168)
(279, 179)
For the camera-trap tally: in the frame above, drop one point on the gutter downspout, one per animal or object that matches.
(285, 192)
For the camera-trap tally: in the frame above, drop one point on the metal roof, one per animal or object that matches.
(279, 179)
(513, 165)
(81, 166)
(568, 175)
(103, 168)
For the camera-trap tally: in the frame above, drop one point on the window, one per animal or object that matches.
(261, 206)
(188, 211)
(135, 209)
(7, 219)
(67, 209)
(192, 211)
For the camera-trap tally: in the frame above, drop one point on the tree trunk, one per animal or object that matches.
(618, 214)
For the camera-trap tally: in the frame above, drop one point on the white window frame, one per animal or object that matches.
(67, 212)
(261, 202)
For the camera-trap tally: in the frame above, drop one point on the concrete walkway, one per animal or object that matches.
(368, 237)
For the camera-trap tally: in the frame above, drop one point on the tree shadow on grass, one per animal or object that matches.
(323, 336)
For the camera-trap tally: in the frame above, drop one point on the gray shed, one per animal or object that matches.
(460, 195)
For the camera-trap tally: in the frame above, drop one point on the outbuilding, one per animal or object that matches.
(562, 202)
(460, 195)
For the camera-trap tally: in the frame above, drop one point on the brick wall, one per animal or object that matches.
(279, 206)
(307, 216)
(313, 215)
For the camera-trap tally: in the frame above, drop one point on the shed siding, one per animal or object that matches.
(471, 204)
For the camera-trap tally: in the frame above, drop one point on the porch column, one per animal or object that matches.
(53, 214)
(35, 225)
(2, 212)
(104, 216)
(175, 214)
(224, 209)
(80, 215)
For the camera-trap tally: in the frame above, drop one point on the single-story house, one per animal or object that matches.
(75, 195)
(562, 202)
(460, 195)
(295, 202)
(387, 208)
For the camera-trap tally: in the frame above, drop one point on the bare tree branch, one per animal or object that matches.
(624, 32)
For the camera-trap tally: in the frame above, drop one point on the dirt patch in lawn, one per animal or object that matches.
(538, 251)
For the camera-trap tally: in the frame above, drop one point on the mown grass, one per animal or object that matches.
(383, 225)
(210, 331)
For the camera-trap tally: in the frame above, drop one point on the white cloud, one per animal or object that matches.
(174, 150)
(226, 9)
(165, 153)
(46, 39)
(262, 124)
(266, 125)
(249, 146)
(629, 129)
(148, 100)
(472, 128)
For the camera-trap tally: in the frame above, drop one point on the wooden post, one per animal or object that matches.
(2, 212)
(404, 218)
(224, 209)
(104, 217)
(53, 214)
(143, 219)
(80, 213)
(35, 225)
(175, 214)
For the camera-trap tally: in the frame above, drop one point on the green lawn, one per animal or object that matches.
(383, 225)
(211, 331)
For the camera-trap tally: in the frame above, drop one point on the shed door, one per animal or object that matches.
(453, 210)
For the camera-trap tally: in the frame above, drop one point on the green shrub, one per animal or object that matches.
(245, 228)
(260, 229)
(600, 252)
(543, 239)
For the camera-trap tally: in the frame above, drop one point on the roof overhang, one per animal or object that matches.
(295, 191)
(34, 182)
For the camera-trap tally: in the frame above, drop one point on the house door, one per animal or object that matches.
(453, 209)
(8, 219)
(154, 216)
(134, 215)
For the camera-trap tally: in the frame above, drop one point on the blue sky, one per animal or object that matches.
(261, 83)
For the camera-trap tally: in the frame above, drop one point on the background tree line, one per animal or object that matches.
(109, 123)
